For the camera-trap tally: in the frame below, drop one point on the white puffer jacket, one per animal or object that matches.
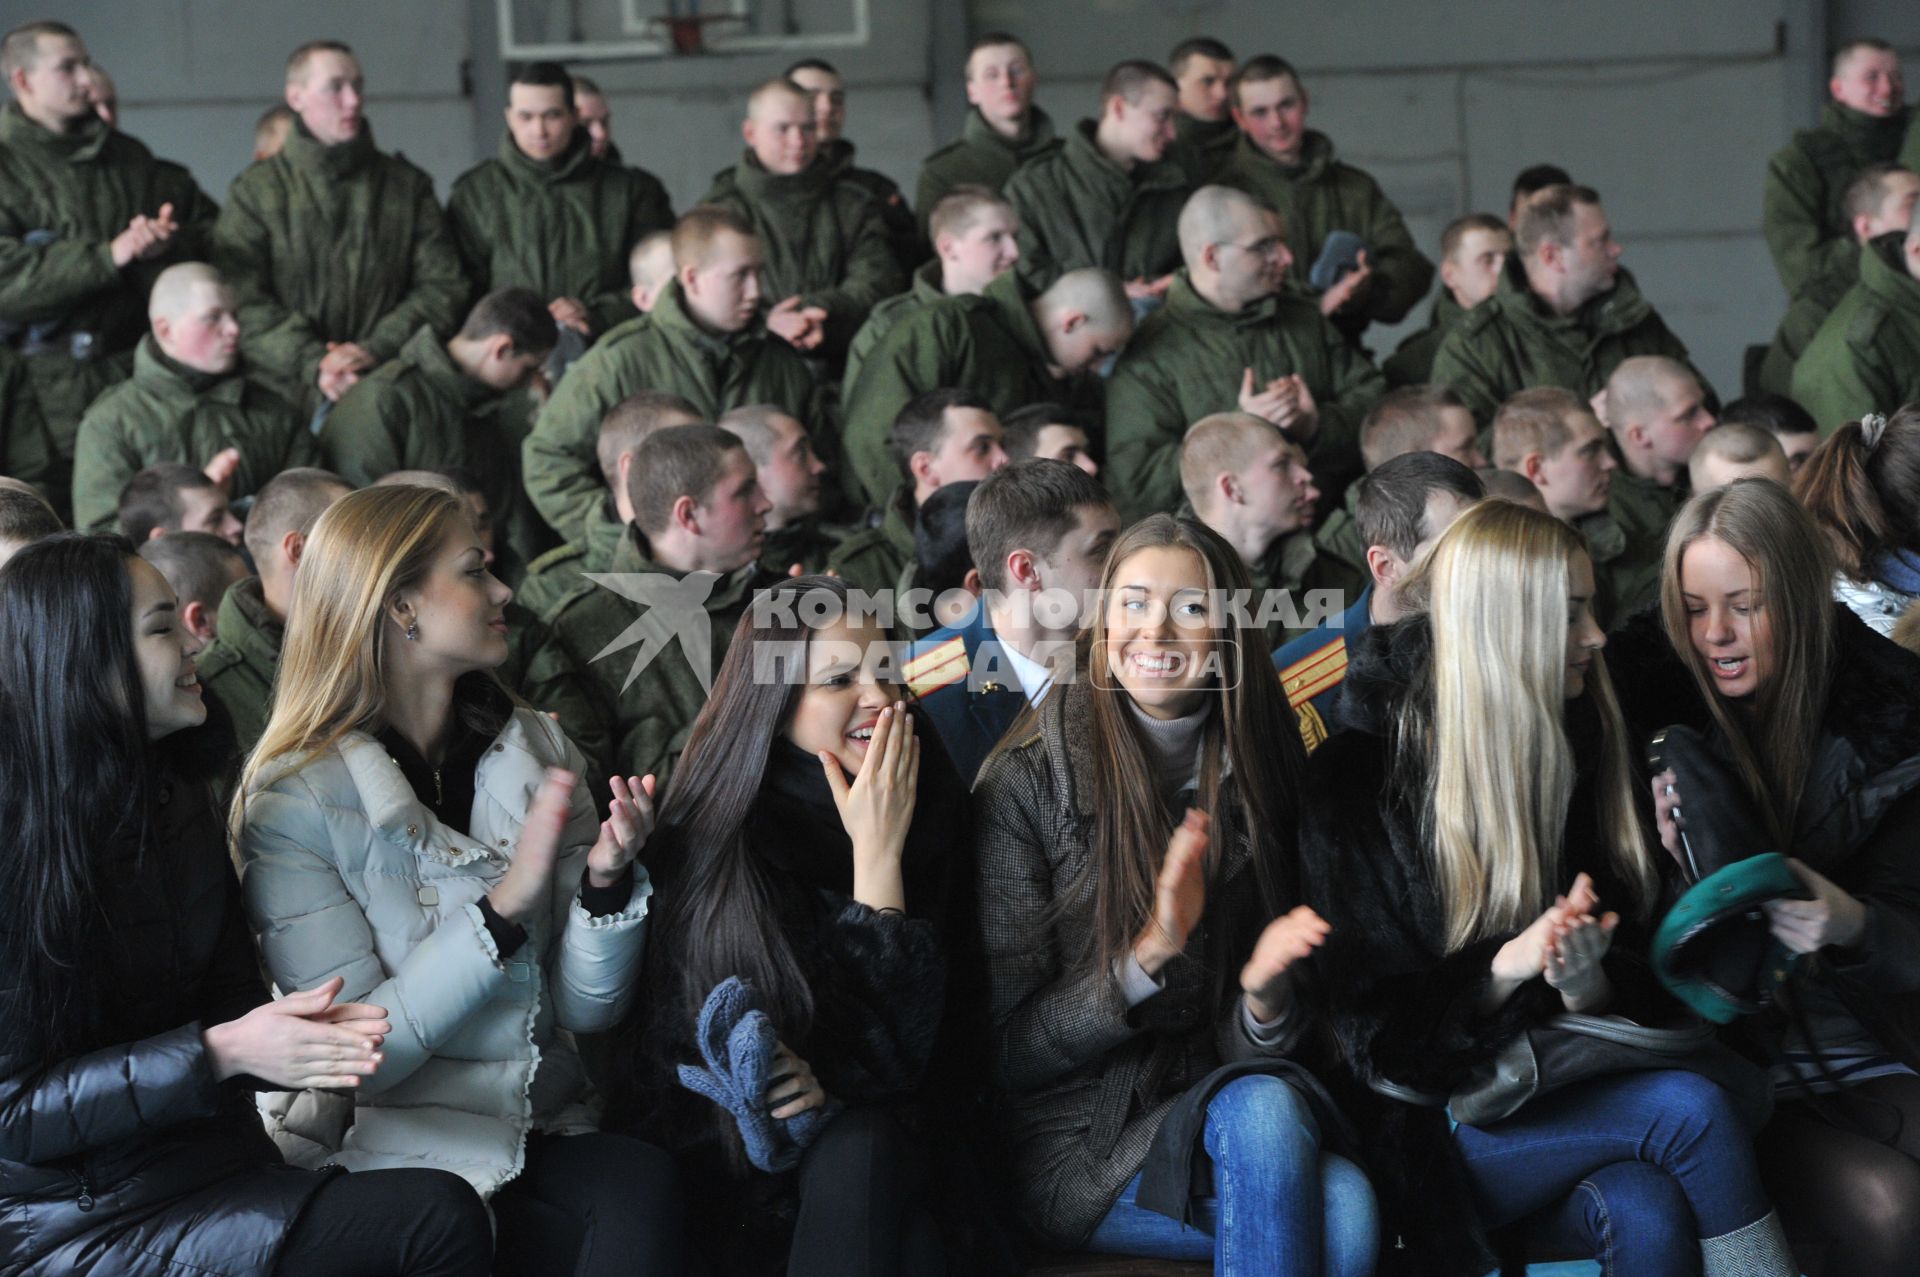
(348, 874)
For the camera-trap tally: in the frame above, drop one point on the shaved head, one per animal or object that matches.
(173, 291)
(1641, 387)
(775, 94)
(1215, 215)
(1098, 294)
(1215, 445)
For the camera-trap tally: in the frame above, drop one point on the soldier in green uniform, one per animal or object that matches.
(1565, 314)
(1003, 130)
(88, 219)
(1550, 436)
(1879, 202)
(1473, 251)
(1803, 215)
(548, 216)
(945, 435)
(1007, 346)
(443, 404)
(790, 474)
(828, 260)
(1292, 169)
(1409, 419)
(650, 640)
(1244, 478)
(976, 238)
(339, 251)
(702, 341)
(1206, 133)
(621, 433)
(1866, 356)
(1231, 337)
(189, 400)
(1658, 413)
(237, 669)
(1108, 195)
(819, 78)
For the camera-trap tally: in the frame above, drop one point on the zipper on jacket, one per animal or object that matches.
(85, 1199)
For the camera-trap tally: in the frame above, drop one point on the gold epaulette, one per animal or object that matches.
(1315, 672)
(939, 666)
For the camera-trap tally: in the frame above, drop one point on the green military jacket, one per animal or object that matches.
(168, 412)
(808, 543)
(1324, 195)
(1866, 355)
(824, 237)
(988, 344)
(561, 227)
(335, 243)
(903, 232)
(640, 710)
(1411, 364)
(1797, 328)
(1628, 542)
(663, 350)
(872, 559)
(1202, 147)
(72, 313)
(26, 453)
(980, 158)
(1186, 362)
(419, 411)
(238, 668)
(1077, 208)
(925, 290)
(1802, 214)
(1511, 342)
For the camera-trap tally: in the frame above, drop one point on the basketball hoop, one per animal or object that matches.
(688, 32)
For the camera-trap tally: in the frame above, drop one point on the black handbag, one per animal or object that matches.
(1569, 1049)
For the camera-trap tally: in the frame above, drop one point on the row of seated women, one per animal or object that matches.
(1161, 986)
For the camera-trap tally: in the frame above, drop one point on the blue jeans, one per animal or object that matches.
(1636, 1168)
(1283, 1208)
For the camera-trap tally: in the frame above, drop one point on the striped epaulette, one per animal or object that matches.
(941, 665)
(1315, 672)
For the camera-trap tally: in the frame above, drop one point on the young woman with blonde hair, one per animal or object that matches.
(1136, 882)
(1819, 718)
(1476, 844)
(407, 827)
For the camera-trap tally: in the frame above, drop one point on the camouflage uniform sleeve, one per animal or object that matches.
(1838, 379)
(873, 273)
(275, 338)
(1460, 366)
(1145, 424)
(1790, 215)
(648, 210)
(361, 439)
(909, 360)
(437, 290)
(39, 282)
(559, 462)
(467, 207)
(1037, 266)
(102, 464)
(194, 212)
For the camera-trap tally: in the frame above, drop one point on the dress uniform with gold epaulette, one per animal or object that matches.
(1312, 667)
(967, 689)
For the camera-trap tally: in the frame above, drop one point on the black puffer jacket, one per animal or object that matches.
(132, 1159)
(1402, 1009)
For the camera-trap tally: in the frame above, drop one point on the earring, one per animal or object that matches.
(413, 631)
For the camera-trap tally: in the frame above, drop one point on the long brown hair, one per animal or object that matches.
(1487, 714)
(1254, 730)
(1773, 740)
(1866, 499)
